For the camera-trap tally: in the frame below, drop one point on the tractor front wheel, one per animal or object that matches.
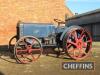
(27, 49)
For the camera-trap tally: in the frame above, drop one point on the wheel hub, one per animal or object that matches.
(79, 43)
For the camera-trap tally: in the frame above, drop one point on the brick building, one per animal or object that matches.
(11, 11)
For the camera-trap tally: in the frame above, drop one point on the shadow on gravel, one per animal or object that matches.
(64, 57)
(6, 59)
(6, 55)
(1, 73)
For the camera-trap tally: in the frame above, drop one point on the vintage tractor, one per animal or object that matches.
(32, 38)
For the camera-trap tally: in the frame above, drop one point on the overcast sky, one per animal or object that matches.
(81, 6)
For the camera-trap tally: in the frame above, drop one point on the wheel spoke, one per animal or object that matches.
(33, 57)
(70, 42)
(75, 35)
(89, 41)
(74, 54)
(27, 58)
(81, 34)
(38, 49)
(21, 50)
(82, 52)
(32, 50)
(71, 52)
(33, 41)
(82, 37)
(68, 46)
(85, 43)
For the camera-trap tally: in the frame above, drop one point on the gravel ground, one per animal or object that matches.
(46, 65)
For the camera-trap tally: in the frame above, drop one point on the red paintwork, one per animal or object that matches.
(75, 48)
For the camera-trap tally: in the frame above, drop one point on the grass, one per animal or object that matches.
(96, 43)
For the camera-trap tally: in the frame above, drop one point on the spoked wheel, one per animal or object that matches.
(78, 43)
(27, 49)
(12, 43)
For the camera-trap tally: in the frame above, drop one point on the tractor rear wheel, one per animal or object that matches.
(77, 42)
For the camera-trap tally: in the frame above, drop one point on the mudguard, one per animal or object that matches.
(67, 29)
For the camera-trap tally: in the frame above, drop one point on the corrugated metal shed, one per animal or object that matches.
(90, 20)
(85, 18)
